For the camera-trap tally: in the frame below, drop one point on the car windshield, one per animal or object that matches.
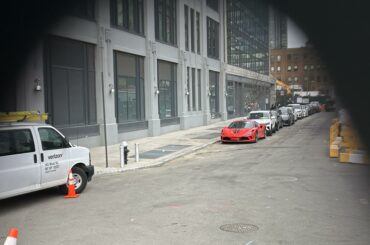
(241, 124)
(284, 111)
(259, 115)
(296, 106)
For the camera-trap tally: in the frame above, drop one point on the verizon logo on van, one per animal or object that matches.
(55, 156)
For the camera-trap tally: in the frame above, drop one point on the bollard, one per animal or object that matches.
(123, 153)
(136, 152)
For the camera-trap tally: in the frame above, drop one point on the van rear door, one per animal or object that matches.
(19, 162)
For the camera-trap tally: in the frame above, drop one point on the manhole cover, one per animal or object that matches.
(283, 178)
(239, 228)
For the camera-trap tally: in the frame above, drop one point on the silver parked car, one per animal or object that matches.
(287, 115)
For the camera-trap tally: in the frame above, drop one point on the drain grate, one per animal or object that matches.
(161, 151)
(208, 136)
(239, 228)
(172, 147)
(153, 154)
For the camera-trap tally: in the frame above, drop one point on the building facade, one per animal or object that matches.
(301, 68)
(248, 85)
(144, 68)
(278, 29)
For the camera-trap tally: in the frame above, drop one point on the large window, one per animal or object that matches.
(212, 38)
(186, 19)
(193, 90)
(129, 82)
(198, 32)
(247, 35)
(192, 30)
(128, 15)
(188, 86)
(165, 21)
(84, 9)
(199, 90)
(214, 91)
(16, 142)
(71, 93)
(167, 85)
(213, 4)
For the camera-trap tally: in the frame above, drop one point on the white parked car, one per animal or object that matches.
(305, 110)
(297, 109)
(37, 156)
(264, 117)
(294, 113)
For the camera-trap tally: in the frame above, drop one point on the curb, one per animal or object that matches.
(103, 171)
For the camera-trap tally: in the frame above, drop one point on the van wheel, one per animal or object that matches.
(80, 181)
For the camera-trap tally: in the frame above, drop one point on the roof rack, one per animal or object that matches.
(23, 116)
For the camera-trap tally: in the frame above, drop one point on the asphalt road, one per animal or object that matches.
(285, 189)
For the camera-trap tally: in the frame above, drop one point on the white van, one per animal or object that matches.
(37, 156)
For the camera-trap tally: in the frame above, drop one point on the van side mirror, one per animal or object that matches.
(66, 143)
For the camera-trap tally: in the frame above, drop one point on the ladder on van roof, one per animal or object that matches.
(23, 116)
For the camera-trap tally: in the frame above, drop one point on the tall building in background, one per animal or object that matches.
(247, 35)
(302, 69)
(248, 85)
(278, 29)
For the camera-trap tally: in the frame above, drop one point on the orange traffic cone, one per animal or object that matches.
(12, 237)
(71, 186)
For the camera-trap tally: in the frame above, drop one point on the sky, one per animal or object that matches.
(296, 37)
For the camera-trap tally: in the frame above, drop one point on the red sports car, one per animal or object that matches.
(243, 131)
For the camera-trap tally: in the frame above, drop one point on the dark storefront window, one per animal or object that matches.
(167, 85)
(247, 35)
(230, 99)
(214, 97)
(70, 90)
(128, 15)
(212, 38)
(165, 21)
(244, 95)
(129, 82)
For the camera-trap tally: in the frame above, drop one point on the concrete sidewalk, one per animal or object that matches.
(157, 150)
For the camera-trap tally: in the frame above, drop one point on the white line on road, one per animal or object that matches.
(248, 243)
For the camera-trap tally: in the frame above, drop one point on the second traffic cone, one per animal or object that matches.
(12, 237)
(71, 186)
